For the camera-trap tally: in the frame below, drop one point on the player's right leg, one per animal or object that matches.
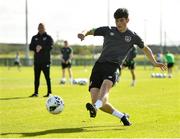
(94, 87)
(89, 106)
(70, 75)
(37, 73)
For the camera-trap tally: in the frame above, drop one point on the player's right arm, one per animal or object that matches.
(83, 34)
(101, 31)
(32, 45)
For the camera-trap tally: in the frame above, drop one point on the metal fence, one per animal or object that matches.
(56, 62)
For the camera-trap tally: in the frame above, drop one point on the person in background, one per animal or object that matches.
(41, 44)
(159, 57)
(17, 61)
(170, 60)
(130, 63)
(67, 54)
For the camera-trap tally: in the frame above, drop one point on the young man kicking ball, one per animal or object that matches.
(117, 43)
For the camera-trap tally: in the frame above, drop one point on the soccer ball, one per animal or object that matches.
(164, 75)
(55, 104)
(153, 75)
(157, 75)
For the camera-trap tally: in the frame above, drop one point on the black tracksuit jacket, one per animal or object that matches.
(46, 41)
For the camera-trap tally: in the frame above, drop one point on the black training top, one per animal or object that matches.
(117, 44)
(66, 52)
(131, 54)
(43, 56)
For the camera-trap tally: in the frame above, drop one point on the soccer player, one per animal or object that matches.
(159, 57)
(66, 58)
(130, 63)
(117, 43)
(41, 44)
(17, 61)
(169, 58)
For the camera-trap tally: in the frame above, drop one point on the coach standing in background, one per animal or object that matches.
(41, 44)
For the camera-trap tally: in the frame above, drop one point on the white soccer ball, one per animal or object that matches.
(164, 75)
(153, 75)
(157, 75)
(55, 104)
(160, 75)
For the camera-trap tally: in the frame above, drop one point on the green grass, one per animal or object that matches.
(153, 104)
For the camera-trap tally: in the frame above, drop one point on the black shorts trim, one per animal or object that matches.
(102, 71)
(170, 65)
(130, 64)
(64, 65)
(16, 63)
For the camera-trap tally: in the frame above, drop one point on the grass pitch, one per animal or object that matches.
(153, 105)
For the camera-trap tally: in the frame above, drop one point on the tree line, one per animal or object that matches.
(82, 50)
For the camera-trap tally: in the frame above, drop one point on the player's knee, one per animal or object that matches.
(105, 100)
(107, 84)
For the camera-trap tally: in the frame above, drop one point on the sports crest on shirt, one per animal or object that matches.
(111, 33)
(127, 38)
(44, 38)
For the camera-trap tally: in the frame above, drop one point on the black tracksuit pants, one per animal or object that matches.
(37, 72)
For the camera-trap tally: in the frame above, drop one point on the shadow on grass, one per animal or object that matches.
(12, 98)
(51, 131)
(66, 130)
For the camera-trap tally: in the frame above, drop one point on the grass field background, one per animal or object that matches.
(153, 105)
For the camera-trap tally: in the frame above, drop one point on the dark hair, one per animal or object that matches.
(41, 24)
(121, 13)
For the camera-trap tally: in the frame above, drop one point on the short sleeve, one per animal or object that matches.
(71, 50)
(138, 41)
(61, 50)
(101, 31)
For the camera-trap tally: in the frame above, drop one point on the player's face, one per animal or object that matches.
(65, 43)
(41, 29)
(121, 24)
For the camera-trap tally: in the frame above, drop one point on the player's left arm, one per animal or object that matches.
(147, 51)
(70, 56)
(49, 43)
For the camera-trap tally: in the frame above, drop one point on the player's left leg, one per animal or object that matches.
(70, 74)
(19, 66)
(63, 79)
(108, 108)
(133, 77)
(103, 104)
(132, 70)
(63, 73)
(170, 72)
(170, 66)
